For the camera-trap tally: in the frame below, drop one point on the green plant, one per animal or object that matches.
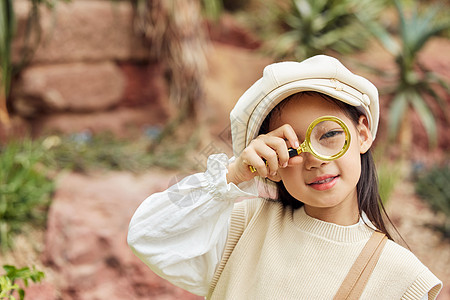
(389, 172)
(388, 177)
(434, 188)
(212, 8)
(8, 283)
(6, 36)
(315, 26)
(413, 82)
(24, 189)
(83, 152)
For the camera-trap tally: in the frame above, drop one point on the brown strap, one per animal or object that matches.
(359, 274)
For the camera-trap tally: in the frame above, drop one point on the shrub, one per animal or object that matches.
(413, 83)
(24, 189)
(84, 151)
(316, 26)
(389, 172)
(388, 177)
(434, 188)
(8, 283)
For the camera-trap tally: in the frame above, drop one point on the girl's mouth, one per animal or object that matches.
(324, 182)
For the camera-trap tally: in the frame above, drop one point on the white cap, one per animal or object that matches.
(321, 73)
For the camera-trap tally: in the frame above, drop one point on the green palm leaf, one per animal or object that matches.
(322, 25)
(426, 116)
(397, 111)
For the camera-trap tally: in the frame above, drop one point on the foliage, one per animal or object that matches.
(312, 27)
(83, 152)
(389, 172)
(434, 188)
(388, 177)
(31, 40)
(6, 35)
(8, 283)
(212, 8)
(24, 189)
(414, 83)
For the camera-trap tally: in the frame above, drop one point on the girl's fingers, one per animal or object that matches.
(268, 152)
(256, 161)
(271, 160)
(286, 132)
(281, 149)
(278, 140)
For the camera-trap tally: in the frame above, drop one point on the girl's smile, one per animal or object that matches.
(324, 182)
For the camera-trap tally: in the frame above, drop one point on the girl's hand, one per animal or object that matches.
(267, 153)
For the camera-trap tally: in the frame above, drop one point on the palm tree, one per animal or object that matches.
(413, 81)
(173, 31)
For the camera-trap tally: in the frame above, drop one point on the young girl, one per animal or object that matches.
(320, 238)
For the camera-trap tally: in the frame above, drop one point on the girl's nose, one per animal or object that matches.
(312, 162)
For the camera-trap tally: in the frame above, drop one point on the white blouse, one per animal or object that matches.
(180, 233)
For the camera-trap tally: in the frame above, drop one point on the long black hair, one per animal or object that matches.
(369, 200)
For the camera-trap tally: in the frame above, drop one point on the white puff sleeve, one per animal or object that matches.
(181, 232)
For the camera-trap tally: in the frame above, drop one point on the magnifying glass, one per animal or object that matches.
(327, 138)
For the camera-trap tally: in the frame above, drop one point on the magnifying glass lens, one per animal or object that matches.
(327, 138)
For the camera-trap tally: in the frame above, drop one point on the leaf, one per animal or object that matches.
(426, 116)
(396, 113)
(384, 37)
(303, 7)
(21, 293)
(322, 25)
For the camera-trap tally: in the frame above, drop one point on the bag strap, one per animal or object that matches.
(356, 279)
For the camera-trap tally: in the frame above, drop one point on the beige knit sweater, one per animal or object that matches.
(277, 253)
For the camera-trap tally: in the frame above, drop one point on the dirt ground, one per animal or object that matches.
(411, 216)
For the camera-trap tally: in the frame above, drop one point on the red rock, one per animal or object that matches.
(74, 87)
(82, 31)
(123, 122)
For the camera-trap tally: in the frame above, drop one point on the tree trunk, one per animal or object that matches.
(174, 33)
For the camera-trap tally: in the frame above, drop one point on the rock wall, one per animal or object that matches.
(89, 63)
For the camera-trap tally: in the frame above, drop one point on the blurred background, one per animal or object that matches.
(103, 102)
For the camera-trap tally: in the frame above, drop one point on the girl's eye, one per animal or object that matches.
(331, 134)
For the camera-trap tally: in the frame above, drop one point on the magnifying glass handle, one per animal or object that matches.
(292, 152)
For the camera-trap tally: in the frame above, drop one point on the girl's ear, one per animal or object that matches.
(365, 135)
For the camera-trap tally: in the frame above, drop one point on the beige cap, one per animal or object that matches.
(319, 73)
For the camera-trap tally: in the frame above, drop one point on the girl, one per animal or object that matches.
(323, 236)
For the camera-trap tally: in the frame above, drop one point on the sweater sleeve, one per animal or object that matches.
(426, 286)
(181, 232)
